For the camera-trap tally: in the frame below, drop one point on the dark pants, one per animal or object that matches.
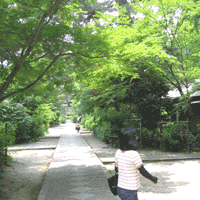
(127, 194)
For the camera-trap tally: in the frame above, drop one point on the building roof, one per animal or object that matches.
(176, 94)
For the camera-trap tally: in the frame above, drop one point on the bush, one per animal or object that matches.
(73, 118)
(29, 131)
(12, 114)
(63, 119)
(148, 139)
(175, 138)
(6, 140)
(88, 122)
(103, 132)
(36, 125)
(9, 139)
(37, 130)
(22, 133)
(55, 120)
(68, 115)
(43, 115)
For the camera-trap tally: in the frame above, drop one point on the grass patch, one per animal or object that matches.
(9, 159)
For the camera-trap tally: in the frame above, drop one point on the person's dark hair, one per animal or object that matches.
(127, 139)
(124, 142)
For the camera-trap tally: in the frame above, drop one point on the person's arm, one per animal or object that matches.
(116, 167)
(146, 174)
(116, 163)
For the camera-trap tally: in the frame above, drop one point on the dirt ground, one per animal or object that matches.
(24, 177)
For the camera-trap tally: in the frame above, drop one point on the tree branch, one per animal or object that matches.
(87, 56)
(33, 83)
(29, 49)
(38, 58)
(22, 53)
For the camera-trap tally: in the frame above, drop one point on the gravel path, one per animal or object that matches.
(24, 177)
(177, 180)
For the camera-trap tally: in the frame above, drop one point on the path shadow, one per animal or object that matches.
(76, 181)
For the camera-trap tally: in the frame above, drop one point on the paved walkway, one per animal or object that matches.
(75, 171)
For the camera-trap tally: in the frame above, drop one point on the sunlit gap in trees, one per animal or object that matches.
(12, 5)
(4, 64)
(69, 39)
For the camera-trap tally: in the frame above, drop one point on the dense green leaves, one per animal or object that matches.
(162, 39)
(156, 51)
(120, 69)
(41, 41)
(13, 112)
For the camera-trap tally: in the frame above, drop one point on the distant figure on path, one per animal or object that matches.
(128, 164)
(78, 120)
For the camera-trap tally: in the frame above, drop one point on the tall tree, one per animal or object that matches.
(179, 40)
(162, 39)
(40, 41)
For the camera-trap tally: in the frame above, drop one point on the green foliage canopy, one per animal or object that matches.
(39, 41)
(163, 39)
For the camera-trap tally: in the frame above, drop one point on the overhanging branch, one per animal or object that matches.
(33, 83)
(17, 67)
(87, 56)
(38, 58)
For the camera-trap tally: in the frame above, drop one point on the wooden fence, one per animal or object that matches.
(160, 134)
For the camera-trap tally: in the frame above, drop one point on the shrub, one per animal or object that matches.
(73, 118)
(9, 139)
(29, 131)
(2, 134)
(55, 120)
(88, 122)
(43, 115)
(6, 140)
(63, 118)
(37, 130)
(175, 138)
(148, 139)
(12, 114)
(21, 133)
(35, 126)
(68, 115)
(103, 132)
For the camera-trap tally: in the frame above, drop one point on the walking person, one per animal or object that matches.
(128, 164)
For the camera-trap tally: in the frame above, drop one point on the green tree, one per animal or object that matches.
(177, 37)
(162, 39)
(142, 96)
(41, 41)
(12, 114)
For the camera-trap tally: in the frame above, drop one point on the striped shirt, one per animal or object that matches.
(128, 163)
